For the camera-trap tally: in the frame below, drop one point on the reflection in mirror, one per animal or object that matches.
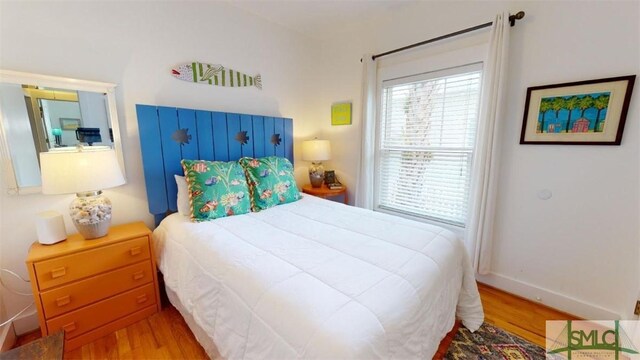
(52, 115)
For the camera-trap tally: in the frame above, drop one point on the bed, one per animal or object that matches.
(309, 279)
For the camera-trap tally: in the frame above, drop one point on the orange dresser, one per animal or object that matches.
(90, 288)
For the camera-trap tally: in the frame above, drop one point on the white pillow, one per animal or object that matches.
(183, 196)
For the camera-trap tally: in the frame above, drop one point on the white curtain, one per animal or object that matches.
(364, 188)
(479, 236)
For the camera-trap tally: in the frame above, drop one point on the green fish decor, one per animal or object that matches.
(214, 74)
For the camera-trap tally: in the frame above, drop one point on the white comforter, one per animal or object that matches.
(318, 279)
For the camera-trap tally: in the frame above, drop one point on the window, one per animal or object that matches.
(426, 141)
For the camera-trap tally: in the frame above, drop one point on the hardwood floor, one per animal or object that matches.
(166, 336)
(517, 315)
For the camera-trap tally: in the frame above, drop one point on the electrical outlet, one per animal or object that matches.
(637, 310)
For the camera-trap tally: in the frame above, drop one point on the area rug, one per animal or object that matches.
(491, 343)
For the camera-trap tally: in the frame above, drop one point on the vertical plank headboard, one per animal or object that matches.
(168, 135)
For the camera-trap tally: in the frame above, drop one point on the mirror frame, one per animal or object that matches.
(21, 78)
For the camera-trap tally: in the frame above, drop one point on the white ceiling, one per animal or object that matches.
(317, 18)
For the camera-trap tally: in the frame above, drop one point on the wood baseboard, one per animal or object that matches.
(547, 298)
(7, 337)
(538, 305)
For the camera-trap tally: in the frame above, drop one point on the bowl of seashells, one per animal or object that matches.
(91, 214)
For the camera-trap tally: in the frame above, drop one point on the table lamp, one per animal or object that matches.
(86, 172)
(316, 151)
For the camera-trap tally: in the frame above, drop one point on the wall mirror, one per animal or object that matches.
(40, 113)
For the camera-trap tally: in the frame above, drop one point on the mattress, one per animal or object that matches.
(319, 279)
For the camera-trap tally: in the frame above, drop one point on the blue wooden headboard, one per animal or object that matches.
(168, 135)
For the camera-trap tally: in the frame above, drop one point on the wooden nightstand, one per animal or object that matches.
(90, 288)
(324, 192)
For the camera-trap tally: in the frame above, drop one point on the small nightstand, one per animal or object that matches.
(324, 192)
(90, 288)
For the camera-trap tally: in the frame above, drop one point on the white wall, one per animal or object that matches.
(584, 242)
(135, 44)
(580, 250)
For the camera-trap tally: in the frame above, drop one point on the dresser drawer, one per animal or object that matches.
(93, 316)
(80, 293)
(64, 269)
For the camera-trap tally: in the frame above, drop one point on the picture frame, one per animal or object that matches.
(69, 123)
(590, 112)
(329, 176)
(341, 114)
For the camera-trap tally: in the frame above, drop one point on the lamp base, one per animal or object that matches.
(316, 174)
(91, 214)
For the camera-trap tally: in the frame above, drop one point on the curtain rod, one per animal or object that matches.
(512, 20)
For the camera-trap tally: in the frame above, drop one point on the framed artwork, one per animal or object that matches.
(329, 176)
(341, 114)
(591, 112)
(69, 123)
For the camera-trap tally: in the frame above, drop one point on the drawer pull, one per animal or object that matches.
(141, 298)
(135, 251)
(138, 275)
(69, 327)
(64, 300)
(58, 272)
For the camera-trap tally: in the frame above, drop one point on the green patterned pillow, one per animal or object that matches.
(271, 181)
(216, 189)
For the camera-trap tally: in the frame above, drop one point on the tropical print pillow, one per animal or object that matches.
(216, 189)
(271, 181)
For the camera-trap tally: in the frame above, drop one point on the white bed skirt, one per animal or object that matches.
(205, 341)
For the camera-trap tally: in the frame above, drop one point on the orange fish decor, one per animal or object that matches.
(209, 206)
(200, 167)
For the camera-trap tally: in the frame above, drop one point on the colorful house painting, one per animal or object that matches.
(580, 126)
(554, 128)
(578, 113)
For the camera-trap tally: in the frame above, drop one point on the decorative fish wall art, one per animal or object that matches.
(214, 74)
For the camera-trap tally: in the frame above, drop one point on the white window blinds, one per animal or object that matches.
(427, 138)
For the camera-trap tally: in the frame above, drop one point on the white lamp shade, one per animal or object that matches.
(76, 171)
(316, 150)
